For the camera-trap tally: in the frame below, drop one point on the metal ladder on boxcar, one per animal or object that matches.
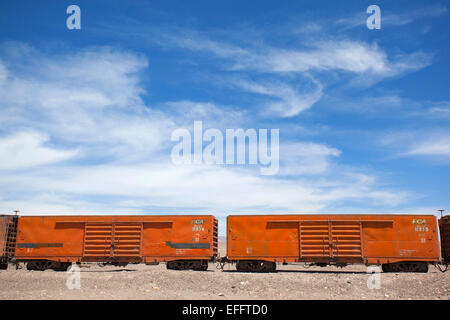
(9, 236)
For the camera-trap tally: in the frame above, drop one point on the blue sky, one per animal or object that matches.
(87, 115)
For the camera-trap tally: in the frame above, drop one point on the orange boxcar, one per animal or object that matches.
(397, 242)
(444, 229)
(54, 242)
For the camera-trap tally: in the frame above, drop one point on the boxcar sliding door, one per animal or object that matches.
(112, 240)
(330, 239)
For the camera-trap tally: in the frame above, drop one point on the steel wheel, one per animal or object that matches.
(405, 267)
(255, 266)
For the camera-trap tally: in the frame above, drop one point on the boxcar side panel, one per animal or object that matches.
(333, 238)
(58, 238)
(405, 238)
(178, 237)
(104, 238)
(261, 238)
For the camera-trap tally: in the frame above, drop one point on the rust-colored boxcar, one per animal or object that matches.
(397, 242)
(444, 229)
(54, 242)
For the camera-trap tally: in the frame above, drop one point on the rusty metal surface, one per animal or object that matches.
(3, 234)
(116, 238)
(371, 239)
(444, 229)
(8, 229)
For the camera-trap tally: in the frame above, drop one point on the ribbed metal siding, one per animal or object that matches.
(330, 239)
(127, 239)
(314, 239)
(98, 239)
(112, 240)
(346, 239)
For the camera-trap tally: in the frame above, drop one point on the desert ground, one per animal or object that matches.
(156, 282)
(139, 281)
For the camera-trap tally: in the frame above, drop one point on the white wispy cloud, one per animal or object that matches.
(366, 64)
(315, 51)
(185, 112)
(433, 143)
(391, 105)
(206, 188)
(439, 109)
(306, 158)
(435, 147)
(28, 149)
(347, 55)
(92, 98)
(288, 101)
(192, 41)
(91, 102)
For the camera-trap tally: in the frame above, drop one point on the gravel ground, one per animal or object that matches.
(156, 282)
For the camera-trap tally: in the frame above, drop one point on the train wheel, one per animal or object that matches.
(202, 265)
(177, 265)
(171, 265)
(418, 267)
(200, 268)
(34, 265)
(270, 266)
(197, 265)
(406, 267)
(45, 265)
(62, 266)
(37, 265)
(241, 266)
(249, 266)
(386, 267)
(255, 266)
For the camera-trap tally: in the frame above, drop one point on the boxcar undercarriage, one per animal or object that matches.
(42, 265)
(268, 266)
